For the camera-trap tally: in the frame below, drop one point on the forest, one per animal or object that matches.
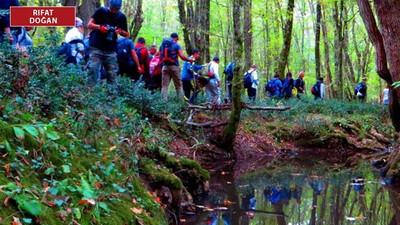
(75, 153)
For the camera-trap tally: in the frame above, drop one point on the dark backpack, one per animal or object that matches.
(169, 54)
(248, 80)
(124, 55)
(139, 55)
(65, 50)
(271, 86)
(358, 88)
(229, 71)
(315, 89)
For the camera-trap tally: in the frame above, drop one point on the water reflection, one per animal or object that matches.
(297, 197)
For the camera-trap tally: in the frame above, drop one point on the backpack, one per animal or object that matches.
(229, 71)
(204, 76)
(169, 55)
(65, 50)
(155, 66)
(124, 55)
(315, 89)
(271, 86)
(357, 89)
(248, 80)
(139, 55)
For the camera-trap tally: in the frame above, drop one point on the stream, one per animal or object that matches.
(292, 195)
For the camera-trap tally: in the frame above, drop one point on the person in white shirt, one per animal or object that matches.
(384, 99)
(212, 88)
(252, 91)
(74, 34)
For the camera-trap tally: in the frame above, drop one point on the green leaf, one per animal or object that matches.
(85, 189)
(30, 206)
(119, 188)
(27, 220)
(104, 206)
(49, 171)
(66, 169)
(11, 186)
(19, 133)
(52, 135)
(8, 146)
(77, 213)
(31, 129)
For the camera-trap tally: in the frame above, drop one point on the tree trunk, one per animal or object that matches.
(230, 130)
(135, 13)
(338, 18)
(287, 39)
(87, 9)
(194, 16)
(329, 86)
(69, 2)
(248, 34)
(317, 41)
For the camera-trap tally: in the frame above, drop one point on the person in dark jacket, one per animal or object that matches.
(299, 84)
(188, 76)
(361, 90)
(288, 85)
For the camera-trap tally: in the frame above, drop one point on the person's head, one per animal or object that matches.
(216, 59)
(364, 79)
(301, 74)
(175, 37)
(115, 5)
(141, 40)
(289, 74)
(195, 53)
(321, 79)
(79, 24)
(276, 74)
(153, 49)
(387, 86)
(254, 67)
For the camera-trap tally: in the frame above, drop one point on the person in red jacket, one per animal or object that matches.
(144, 61)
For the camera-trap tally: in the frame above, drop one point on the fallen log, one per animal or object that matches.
(208, 124)
(211, 106)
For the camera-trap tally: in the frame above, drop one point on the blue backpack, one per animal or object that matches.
(248, 80)
(358, 88)
(169, 55)
(229, 71)
(65, 50)
(124, 55)
(271, 86)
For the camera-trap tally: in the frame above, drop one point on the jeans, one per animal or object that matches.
(212, 91)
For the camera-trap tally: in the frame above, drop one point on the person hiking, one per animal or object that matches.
(188, 76)
(5, 30)
(212, 87)
(360, 91)
(155, 72)
(106, 23)
(299, 84)
(128, 61)
(384, 98)
(250, 80)
(229, 70)
(170, 50)
(318, 90)
(75, 38)
(274, 86)
(288, 85)
(152, 51)
(144, 61)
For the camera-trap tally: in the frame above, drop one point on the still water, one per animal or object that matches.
(290, 195)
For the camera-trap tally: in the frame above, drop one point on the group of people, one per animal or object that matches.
(106, 56)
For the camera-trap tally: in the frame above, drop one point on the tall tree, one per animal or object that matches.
(317, 40)
(248, 34)
(229, 134)
(387, 48)
(133, 9)
(330, 88)
(338, 11)
(194, 16)
(287, 39)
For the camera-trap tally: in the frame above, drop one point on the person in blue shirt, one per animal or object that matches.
(188, 76)
(274, 86)
(5, 31)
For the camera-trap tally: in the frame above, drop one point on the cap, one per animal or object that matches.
(364, 79)
(301, 74)
(174, 35)
(116, 4)
(78, 22)
(216, 59)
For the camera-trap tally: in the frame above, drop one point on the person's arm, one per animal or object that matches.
(322, 91)
(146, 61)
(183, 57)
(136, 60)
(255, 77)
(197, 67)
